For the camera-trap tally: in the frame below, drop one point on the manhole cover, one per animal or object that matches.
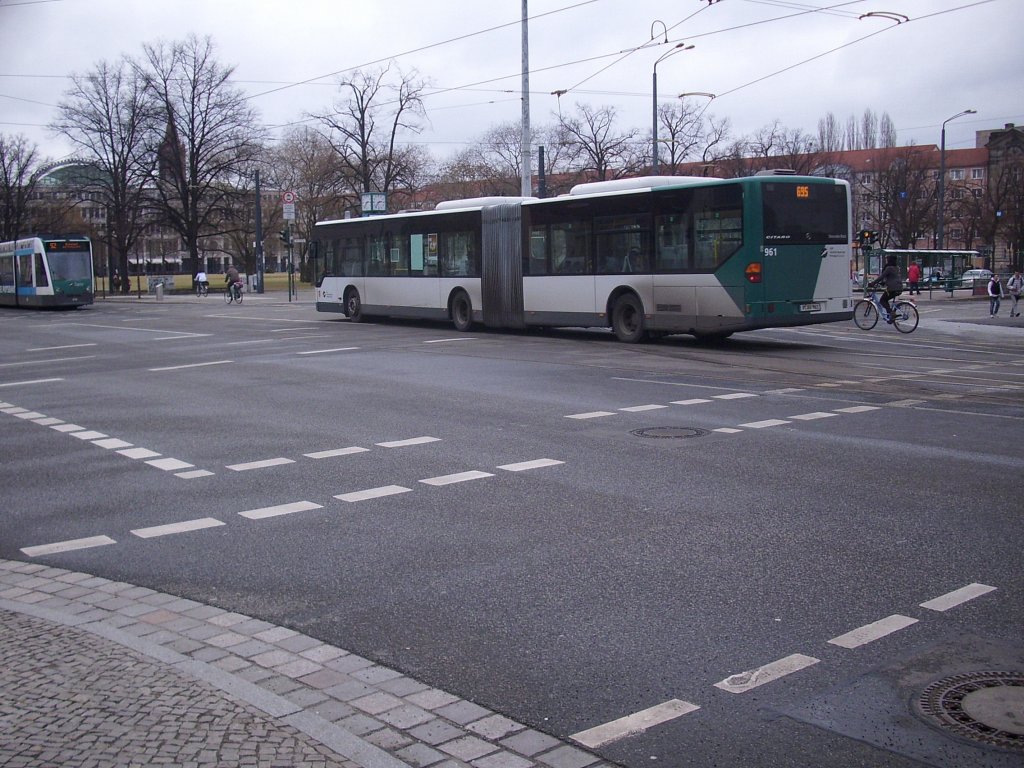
(670, 433)
(982, 706)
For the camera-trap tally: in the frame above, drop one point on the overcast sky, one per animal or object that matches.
(950, 56)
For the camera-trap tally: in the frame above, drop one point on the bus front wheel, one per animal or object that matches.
(462, 312)
(628, 319)
(353, 305)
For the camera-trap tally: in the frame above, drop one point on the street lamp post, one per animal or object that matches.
(679, 47)
(941, 223)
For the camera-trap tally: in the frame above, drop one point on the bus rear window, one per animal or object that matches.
(808, 214)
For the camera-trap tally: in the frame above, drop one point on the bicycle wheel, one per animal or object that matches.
(229, 295)
(865, 315)
(905, 317)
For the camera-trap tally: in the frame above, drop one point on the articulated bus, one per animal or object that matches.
(646, 257)
(46, 272)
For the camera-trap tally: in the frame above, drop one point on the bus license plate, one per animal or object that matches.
(813, 307)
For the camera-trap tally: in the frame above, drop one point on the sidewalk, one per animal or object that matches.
(103, 673)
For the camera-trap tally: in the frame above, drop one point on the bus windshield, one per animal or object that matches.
(805, 214)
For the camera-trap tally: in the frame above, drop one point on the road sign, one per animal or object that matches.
(288, 205)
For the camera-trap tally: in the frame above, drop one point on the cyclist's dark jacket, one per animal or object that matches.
(231, 276)
(891, 277)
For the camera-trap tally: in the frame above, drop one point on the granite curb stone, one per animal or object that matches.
(263, 695)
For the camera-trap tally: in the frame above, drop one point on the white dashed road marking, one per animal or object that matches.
(172, 528)
(858, 409)
(691, 401)
(67, 427)
(813, 416)
(763, 424)
(88, 434)
(373, 493)
(642, 408)
(326, 351)
(957, 596)
(111, 443)
(138, 453)
(280, 509)
(747, 681)
(169, 465)
(873, 631)
(259, 464)
(31, 381)
(191, 365)
(590, 415)
(459, 477)
(410, 441)
(634, 724)
(335, 452)
(734, 396)
(535, 464)
(67, 546)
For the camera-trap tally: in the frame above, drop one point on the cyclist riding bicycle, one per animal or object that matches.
(233, 280)
(893, 286)
(201, 282)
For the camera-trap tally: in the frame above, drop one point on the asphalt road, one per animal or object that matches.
(563, 528)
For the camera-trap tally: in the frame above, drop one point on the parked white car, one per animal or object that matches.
(968, 278)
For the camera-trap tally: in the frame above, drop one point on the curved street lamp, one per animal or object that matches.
(940, 224)
(678, 48)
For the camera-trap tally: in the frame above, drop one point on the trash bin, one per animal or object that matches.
(160, 291)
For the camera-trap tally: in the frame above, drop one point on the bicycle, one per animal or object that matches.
(233, 292)
(867, 311)
(202, 289)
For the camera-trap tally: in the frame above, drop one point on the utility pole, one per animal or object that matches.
(526, 186)
(259, 237)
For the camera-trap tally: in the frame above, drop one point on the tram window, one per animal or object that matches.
(673, 243)
(25, 269)
(536, 260)
(41, 281)
(570, 248)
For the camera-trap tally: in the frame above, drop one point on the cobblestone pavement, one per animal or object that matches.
(102, 673)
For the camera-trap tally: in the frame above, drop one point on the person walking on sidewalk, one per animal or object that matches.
(1014, 285)
(995, 293)
(914, 278)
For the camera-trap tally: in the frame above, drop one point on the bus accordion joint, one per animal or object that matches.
(753, 272)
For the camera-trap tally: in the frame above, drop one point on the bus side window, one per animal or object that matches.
(718, 225)
(570, 248)
(41, 281)
(537, 258)
(379, 264)
(673, 246)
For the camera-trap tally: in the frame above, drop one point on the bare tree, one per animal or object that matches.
(19, 166)
(886, 132)
(683, 127)
(368, 125)
(108, 114)
(830, 134)
(902, 201)
(211, 135)
(598, 150)
(868, 130)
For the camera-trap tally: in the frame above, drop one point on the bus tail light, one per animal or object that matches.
(753, 272)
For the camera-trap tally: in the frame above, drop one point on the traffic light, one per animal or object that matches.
(286, 236)
(867, 236)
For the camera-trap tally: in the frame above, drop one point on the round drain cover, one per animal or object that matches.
(982, 706)
(669, 433)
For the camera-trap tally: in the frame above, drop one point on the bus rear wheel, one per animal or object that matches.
(628, 319)
(353, 305)
(462, 312)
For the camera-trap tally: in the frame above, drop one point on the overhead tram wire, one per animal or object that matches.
(852, 42)
(468, 35)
